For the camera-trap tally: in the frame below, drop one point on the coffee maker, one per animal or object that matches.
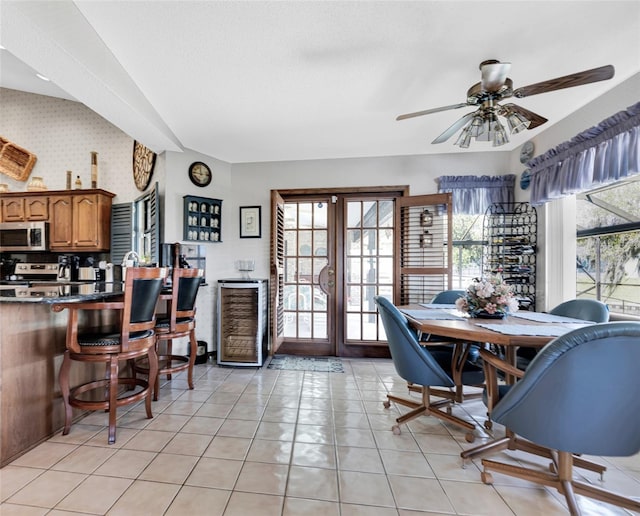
(68, 267)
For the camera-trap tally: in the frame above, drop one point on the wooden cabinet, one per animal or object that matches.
(21, 209)
(79, 220)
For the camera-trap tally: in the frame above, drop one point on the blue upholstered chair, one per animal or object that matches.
(417, 366)
(584, 309)
(460, 358)
(579, 395)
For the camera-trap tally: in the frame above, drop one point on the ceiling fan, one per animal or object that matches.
(484, 124)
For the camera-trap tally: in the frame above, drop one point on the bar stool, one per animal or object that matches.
(133, 338)
(179, 321)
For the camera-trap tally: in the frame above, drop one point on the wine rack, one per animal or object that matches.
(510, 235)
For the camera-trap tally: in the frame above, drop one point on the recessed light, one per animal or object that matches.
(40, 76)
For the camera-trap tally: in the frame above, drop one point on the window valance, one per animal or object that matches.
(472, 195)
(602, 154)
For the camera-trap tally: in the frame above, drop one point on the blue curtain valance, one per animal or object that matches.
(602, 154)
(474, 194)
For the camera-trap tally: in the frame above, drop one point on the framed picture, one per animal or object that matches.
(250, 222)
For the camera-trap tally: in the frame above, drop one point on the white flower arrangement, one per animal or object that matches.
(490, 295)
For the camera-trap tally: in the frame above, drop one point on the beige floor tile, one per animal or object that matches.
(280, 414)
(238, 428)
(413, 464)
(126, 464)
(85, 459)
(215, 473)
(530, 501)
(278, 452)
(188, 444)
(123, 436)
(48, 489)
(276, 431)
(202, 425)
(298, 506)
(170, 468)
(348, 509)
(365, 489)
(318, 434)
(195, 395)
(197, 501)
(9, 509)
(183, 408)
(359, 459)
(149, 440)
(144, 498)
(477, 499)
(167, 422)
(95, 495)
(209, 409)
(315, 483)
(351, 420)
(357, 437)
(80, 434)
(387, 440)
(251, 412)
(242, 504)
(134, 419)
(449, 467)
(314, 455)
(419, 494)
(14, 478)
(223, 447)
(315, 416)
(45, 455)
(259, 477)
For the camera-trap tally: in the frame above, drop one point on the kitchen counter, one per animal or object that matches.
(55, 292)
(32, 344)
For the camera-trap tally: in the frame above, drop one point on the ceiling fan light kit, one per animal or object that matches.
(484, 124)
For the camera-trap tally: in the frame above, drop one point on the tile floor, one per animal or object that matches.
(268, 442)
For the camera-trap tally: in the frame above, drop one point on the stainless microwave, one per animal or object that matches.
(24, 236)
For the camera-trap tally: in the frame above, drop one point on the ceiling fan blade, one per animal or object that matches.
(535, 119)
(493, 75)
(429, 111)
(452, 130)
(568, 81)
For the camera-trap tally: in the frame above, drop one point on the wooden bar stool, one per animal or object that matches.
(134, 338)
(178, 322)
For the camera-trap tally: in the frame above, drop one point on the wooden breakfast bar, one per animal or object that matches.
(32, 342)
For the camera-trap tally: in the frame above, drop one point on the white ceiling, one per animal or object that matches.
(283, 80)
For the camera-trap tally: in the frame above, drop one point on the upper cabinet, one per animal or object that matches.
(79, 220)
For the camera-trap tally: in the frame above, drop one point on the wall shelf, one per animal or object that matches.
(202, 219)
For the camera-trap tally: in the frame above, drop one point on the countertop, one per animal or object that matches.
(59, 292)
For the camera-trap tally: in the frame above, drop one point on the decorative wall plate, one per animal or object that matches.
(525, 179)
(526, 152)
(144, 159)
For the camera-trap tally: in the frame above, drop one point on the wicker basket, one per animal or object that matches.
(15, 161)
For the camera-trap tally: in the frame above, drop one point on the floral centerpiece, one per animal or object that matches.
(488, 297)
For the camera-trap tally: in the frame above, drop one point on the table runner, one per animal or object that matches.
(547, 318)
(432, 314)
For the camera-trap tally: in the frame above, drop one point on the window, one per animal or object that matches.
(608, 246)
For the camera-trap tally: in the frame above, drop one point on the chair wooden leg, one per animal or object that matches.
(113, 396)
(152, 380)
(565, 477)
(65, 389)
(169, 353)
(192, 357)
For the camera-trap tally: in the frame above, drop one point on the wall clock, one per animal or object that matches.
(200, 173)
(144, 159)
(526, 152)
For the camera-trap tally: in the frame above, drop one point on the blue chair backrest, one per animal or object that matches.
(411, 361)
(581, 393)
(585, 309)
(448, 297)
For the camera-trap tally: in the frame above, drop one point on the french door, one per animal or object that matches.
(332, 253)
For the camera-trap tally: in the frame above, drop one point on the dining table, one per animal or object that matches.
(521, 328)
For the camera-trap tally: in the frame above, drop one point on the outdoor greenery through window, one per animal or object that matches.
(467, 249)
(608, 246)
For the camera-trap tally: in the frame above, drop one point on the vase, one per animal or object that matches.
(483, 314)
(36, 185)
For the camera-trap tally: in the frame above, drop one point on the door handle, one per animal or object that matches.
(326, 279)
